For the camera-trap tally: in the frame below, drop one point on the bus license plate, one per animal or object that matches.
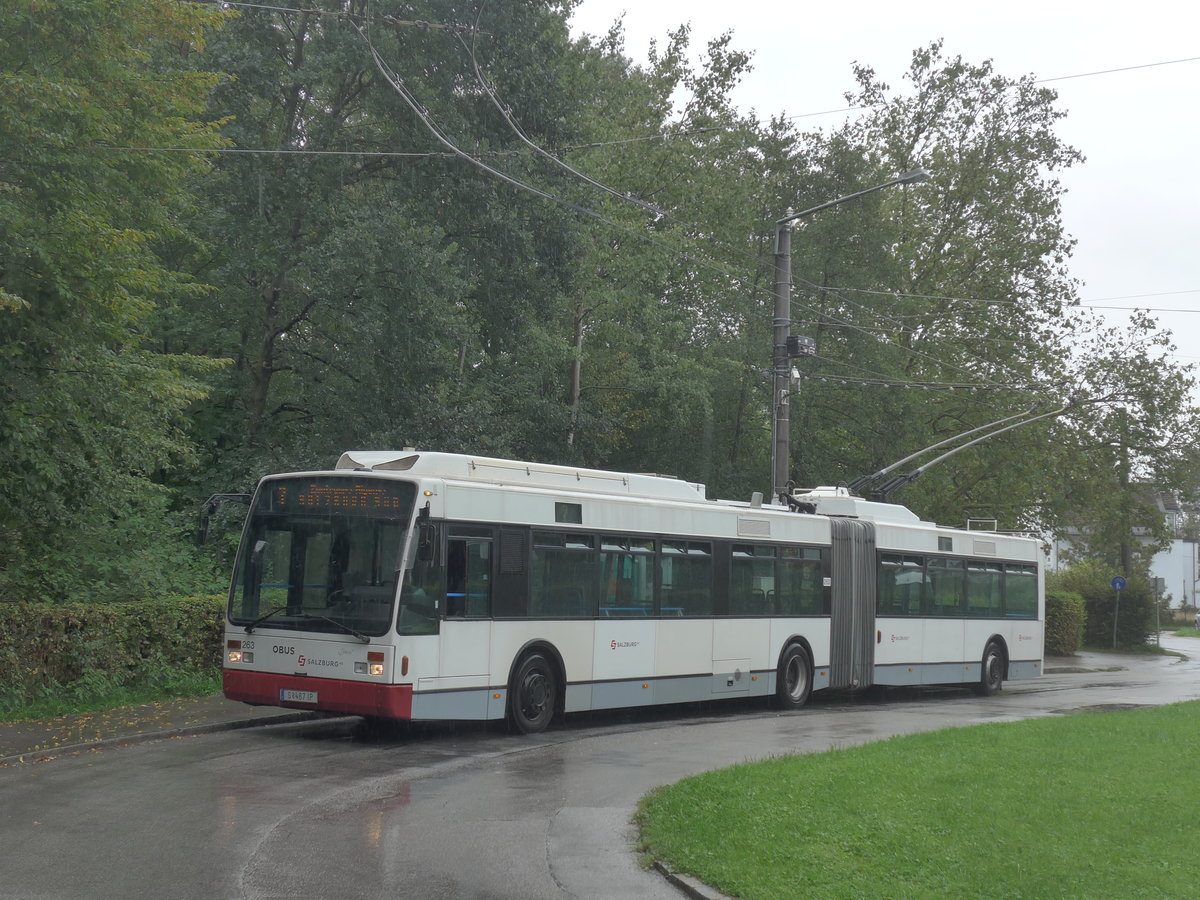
(286, 696)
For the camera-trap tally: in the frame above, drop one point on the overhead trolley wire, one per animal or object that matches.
(506, 113)
(397, 84)
(1167, 62)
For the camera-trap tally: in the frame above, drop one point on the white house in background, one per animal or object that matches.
(1176, 565)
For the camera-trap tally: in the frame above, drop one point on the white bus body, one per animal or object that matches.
(416, 585)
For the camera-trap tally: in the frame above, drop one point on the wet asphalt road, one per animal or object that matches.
(328, 809)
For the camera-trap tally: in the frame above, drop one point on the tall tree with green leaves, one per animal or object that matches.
(95, 98)
(942, 307)
(449, 234)
(1131, 437)
(957, 287)
(377, 269)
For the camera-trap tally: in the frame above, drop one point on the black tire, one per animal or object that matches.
(991, 679)
(793, 683)
(533, 695)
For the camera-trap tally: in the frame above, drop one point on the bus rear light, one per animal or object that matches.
(233, 645)
(241, 656)
(375, 656)
(404, 665)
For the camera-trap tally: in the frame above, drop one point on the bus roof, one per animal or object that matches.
(463, 467)
(827, 501)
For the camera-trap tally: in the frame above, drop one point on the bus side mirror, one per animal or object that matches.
(211, 505)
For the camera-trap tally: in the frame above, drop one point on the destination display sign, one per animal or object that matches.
(341, 495)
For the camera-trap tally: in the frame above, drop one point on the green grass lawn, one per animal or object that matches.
(1086, 806)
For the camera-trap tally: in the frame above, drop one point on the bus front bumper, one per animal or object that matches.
(392, 701)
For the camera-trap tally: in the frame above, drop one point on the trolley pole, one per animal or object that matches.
(784, 347)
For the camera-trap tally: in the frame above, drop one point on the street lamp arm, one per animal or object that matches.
(913, 177)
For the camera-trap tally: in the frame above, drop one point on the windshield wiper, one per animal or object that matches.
(342, 625)
(261, 619)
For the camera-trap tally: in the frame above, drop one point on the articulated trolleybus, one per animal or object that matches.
(411, 585)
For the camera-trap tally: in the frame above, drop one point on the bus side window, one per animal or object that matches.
(686, 576)
(456, 578)
(947, 586)
(468, 577)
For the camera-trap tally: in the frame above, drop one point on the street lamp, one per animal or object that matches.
(784, 345)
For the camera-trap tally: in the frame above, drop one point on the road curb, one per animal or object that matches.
(693, 887)
(148, 736)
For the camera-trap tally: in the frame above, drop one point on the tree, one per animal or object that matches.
(962, 285)
(92, 97)
(673, 315)
(1138, 438)
(474, 293)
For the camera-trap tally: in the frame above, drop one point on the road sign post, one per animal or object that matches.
(1118, 584)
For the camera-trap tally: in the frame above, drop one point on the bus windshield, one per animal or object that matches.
(321, 553)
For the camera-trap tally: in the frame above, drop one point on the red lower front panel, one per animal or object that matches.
(393, 701)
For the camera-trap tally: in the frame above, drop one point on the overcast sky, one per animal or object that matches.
(1133, 206)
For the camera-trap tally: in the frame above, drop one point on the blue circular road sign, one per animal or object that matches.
(1118, 583)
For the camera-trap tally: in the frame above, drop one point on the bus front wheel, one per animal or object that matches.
(793, 683)
(992, 677)
(533, 694)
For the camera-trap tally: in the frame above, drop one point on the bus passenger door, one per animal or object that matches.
(852, 629)
(466, 629)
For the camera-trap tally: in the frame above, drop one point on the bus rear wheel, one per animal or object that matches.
(533, 695)
(793, 683)
(992, 677)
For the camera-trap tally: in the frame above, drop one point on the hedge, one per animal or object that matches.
(1066, 614)
(1093, 581)
(43, 644)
